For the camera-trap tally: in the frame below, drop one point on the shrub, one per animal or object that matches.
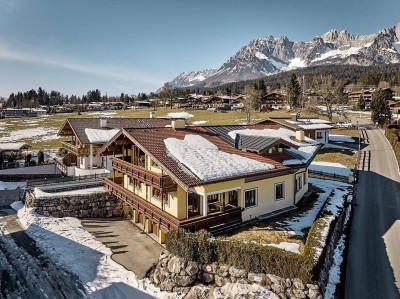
(393, 135)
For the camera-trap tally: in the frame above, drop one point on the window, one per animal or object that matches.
(212, 198)
(299, 181)
(279, 191)
(319, 135)
(250, 198)
(138, 186)
(130, 181)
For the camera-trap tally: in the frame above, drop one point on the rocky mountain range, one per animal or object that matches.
(270, 55)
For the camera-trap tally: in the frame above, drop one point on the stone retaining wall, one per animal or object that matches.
(95, 205)
(175, 274)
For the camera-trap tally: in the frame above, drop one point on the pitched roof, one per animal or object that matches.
(151, 141)
(78, 125)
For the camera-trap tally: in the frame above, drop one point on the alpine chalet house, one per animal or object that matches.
(314, 128)
(88, 135)
(207, 177)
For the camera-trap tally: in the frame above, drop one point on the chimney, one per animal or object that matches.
(152, 114)
(294, 116)
(104, 123)
(300, 135)
(178, 123)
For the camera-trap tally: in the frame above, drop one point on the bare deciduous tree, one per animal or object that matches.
(251, 101)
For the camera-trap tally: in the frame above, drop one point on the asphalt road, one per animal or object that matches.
(373, 262)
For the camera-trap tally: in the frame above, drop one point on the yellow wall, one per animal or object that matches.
(177, 203)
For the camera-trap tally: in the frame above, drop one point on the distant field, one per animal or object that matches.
(41, 133)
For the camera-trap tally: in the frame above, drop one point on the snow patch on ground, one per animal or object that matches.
(296, 63)
(184, 115)
(100, 113)
(297, 224)
(330, 167)
(14, 136)
(100, 136)
(293, 247)
(207, 162)
(67, 243)
(341, 138)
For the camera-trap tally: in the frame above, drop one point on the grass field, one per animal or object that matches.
(41, 133)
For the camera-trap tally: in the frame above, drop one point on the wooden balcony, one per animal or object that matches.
(166, 221)
(76, 150)
(162, 182)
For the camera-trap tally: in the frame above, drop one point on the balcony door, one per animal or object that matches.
(194, 204)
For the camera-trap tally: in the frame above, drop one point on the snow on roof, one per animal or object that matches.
(207, 162)
(13, 146)
(184, 115)
(11, 185)
(303, 153)
(100, 136)
(283, 133)
(315, 126)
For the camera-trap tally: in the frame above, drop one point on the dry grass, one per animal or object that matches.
(345, 157)
(271, 231)
(54, 122)
(348, 132)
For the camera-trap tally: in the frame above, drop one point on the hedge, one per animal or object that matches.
(393, 135)
(200, 247)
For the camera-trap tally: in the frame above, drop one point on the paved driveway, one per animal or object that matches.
(131, 248)
(373, 263)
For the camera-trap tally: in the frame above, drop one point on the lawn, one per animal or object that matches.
(342, 156)
(41, 132)
(289, 231)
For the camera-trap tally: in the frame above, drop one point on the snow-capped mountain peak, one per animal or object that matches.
(269, 55)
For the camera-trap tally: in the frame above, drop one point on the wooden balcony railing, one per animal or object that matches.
(214, 221)
(162, 182)
(167, 221)
(75, 149)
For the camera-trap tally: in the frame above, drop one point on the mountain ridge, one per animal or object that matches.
(270, 55)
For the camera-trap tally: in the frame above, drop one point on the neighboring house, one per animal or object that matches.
(23, 112)
(88, 135)
(314, 128)
(367, 94)
(15, 148)
(207, 177)
(272, 101)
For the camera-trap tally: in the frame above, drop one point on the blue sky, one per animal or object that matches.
(135, 46)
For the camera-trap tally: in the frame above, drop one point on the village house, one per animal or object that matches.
(88, 135)
(273, 101)
(314, 128)
(207, 177)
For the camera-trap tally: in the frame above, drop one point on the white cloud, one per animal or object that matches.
(68, 63)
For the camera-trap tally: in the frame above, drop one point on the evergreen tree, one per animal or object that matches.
(262, 87)
(293, 90)
(381, 113)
